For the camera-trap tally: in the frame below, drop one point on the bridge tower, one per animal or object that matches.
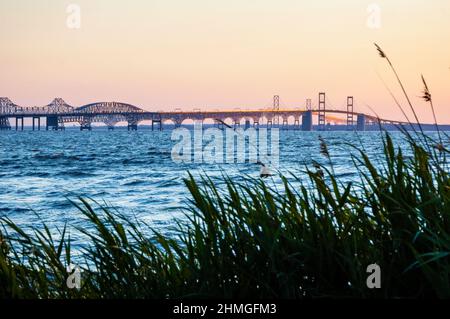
(276, 108)
(350, 116)
(276, 102)
(322, 110)
(308, 105)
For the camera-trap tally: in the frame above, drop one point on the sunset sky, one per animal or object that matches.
(209, 54)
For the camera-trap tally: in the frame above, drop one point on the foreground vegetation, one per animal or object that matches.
(251, 240)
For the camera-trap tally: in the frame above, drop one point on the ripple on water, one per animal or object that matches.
(133, 172)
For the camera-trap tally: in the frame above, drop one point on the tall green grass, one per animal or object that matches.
(310, 239)
(250, 240)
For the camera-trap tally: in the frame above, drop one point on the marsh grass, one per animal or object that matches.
(250, 240)
(310, 239)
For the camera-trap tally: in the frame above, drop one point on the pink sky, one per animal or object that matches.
(209, 54)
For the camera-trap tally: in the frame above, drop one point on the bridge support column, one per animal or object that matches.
(247, 124)
(132, 127)
(86, 127)
(4, 124)
(160, 124)
(53, 123)
(111, 123)
(19, 119)
(361, 122)
(307, 121)
(85, 123)
(38, 119)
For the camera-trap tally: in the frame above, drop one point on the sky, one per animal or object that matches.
(210, 54)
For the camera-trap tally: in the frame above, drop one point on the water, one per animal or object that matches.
(133, 171)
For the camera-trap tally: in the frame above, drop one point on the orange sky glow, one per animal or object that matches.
(210, 54)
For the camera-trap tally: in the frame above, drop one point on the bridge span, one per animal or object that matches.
(58, 113)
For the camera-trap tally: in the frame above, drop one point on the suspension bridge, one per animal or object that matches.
(58, 113)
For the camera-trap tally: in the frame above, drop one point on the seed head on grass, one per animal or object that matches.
(324, 148)
(324, 152)
(380, 51)
(428, 98)
(426, 92)
(384, 56)
(318, 169)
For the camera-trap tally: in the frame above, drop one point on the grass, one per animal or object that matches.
(250, 240)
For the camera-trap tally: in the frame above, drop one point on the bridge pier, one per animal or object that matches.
(160, 124)
(53, 123)
(132, 127)
(4, 124)
(307, 121)
(19, 119)
(86, 127)
(111, 123)
(361, 122)
(38, 123)
(296, 123)
(86, 123)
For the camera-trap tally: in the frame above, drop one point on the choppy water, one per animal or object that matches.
(132, 171)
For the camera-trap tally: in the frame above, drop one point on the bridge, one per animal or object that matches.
(58, 113)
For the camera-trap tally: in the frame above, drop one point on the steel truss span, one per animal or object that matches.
(58, 113)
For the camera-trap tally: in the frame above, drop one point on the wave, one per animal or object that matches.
(76, 173)
(49, 156)
(136, 183)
